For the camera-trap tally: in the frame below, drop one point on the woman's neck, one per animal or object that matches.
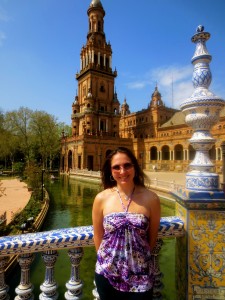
(126, 190)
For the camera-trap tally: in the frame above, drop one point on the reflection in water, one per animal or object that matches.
(70, 206)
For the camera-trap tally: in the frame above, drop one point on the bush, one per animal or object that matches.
(32, 209)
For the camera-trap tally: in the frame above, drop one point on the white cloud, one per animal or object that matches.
(166, 75)
(136, 85)
(2, 37)
(174, 83)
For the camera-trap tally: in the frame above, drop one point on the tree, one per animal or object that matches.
(44, 130)
(9, 143)
(17, 123)
(29, 136)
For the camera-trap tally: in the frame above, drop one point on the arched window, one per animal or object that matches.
(153, 153)
(178, 152)
(191, 152)
(165, 153)
(70, 159)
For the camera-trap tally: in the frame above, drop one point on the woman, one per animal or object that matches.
(126, 218)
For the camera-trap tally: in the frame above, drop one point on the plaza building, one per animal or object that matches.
(158, 135)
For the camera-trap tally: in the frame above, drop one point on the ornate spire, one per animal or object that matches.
(202, 112)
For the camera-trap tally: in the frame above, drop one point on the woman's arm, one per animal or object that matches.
(97, 219)
(155, 213)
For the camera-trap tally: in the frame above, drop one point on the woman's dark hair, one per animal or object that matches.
(106, 173)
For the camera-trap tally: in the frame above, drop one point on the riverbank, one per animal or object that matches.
(14, 199)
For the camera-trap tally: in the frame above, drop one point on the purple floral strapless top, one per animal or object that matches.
(124, 254)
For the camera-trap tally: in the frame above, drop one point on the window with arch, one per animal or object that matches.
(165, 153)
(102, 125)
(102, 88)
(178, 152)
(153, 153)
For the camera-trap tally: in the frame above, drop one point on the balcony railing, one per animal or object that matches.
(49, 243)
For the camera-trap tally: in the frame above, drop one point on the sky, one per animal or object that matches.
(41, 40)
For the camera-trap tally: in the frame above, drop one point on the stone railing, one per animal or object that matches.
(162, 185)
(154, 183)
(75, 240)
(85, 173)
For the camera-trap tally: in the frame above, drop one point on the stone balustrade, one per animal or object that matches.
(85, 173)
(75, 240)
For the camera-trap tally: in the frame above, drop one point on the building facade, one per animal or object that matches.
(158, 135)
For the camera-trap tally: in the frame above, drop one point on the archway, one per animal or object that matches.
(153, 153)
(165, 153)
(178, 152)
(70, 160)
(191, 152)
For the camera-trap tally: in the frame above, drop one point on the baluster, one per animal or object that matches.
(49, 286)
(158, 285)
(95, 292)
(25, 288)
(3, 287)
(75, 284)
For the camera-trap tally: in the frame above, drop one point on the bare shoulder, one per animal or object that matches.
(149, 195)
(152, 195)
(100, 197)
(151, 198)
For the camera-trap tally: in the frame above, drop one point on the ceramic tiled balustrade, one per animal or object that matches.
(75, 239)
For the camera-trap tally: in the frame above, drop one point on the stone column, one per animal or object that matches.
(201, 205)
(49, 286)
(74, 285)
(25, 288)
(3, 287)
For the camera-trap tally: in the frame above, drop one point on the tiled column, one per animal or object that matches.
(200, 254)
(201, 205)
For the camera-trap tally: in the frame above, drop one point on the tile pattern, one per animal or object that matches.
(206, 252)
(71, 237)
(200, 254)
(181, 256)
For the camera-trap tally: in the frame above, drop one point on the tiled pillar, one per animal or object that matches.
(201, 205)
(200, 254)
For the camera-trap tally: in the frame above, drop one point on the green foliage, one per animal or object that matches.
(33, 134)
(33, 175)
(18, 168)
(32, 209)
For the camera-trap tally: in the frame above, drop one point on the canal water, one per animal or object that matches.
(70, 206)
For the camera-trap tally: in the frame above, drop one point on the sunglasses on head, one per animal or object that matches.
(126, 167)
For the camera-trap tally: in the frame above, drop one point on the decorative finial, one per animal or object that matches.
(200, 28)
(200, 34)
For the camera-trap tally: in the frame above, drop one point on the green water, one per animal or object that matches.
(70, 206)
